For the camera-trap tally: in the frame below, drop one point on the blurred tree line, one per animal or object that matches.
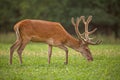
(106, 13)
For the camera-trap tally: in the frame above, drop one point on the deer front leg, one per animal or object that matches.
(66, 57)
(49, 53)
(66, 51)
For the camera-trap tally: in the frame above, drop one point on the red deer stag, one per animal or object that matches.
(53, 34)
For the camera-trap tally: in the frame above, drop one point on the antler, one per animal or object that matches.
(86, 34)
(76, 27)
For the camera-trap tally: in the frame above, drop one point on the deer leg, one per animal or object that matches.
(12, 48)
(66, 50)
(49, 53)
(20, 50)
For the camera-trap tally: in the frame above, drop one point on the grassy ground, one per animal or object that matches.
(106, 64)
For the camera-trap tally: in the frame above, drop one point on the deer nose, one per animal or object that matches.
(90, 59)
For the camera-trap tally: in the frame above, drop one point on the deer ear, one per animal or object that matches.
(89, 19)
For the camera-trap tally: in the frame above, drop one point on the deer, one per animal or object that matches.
(53, 34)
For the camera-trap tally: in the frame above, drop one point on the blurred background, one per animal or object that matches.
(106, 16)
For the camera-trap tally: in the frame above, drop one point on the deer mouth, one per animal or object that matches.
(90, 59)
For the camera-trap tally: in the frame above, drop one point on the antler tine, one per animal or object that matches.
(92, 31)
(94, 43)
(86, 27)
(89, 19)
(73, 22)
(83, 18)
(76, 27)
(78, 21)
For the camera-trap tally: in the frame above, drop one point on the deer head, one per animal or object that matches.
(84, 38)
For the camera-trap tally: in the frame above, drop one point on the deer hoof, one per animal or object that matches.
(65, 63)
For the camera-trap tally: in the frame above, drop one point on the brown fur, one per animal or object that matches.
(42, 31)
(48, 32)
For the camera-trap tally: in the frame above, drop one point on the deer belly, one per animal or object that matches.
(42, 39)
(50, 40)
(38, 39)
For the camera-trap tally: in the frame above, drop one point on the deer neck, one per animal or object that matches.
(73, 42)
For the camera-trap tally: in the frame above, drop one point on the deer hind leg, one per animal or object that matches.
(12, 49)
(21, 48)
(66, 50)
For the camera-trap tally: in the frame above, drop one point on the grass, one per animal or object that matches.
(106, 64)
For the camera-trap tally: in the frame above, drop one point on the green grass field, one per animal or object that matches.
(106, 64)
